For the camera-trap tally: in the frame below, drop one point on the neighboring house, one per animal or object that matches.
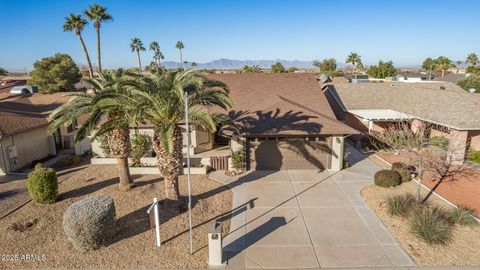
(451, 77)
(284, 122)
(358, 77)
(411, 77)
(24, 138)
(375, 106)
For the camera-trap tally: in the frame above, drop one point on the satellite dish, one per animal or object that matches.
(472, 90)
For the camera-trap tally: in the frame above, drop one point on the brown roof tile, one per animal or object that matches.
(443, 103)
(20, 113)
(280, 104)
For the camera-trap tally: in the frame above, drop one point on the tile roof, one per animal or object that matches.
(280, 104)
(20, 113)
(443, 103)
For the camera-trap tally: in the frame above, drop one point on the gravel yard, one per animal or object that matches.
(35, 234)
(463, 250)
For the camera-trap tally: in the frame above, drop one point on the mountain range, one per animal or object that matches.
(224, 63)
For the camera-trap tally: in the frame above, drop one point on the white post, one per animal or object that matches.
(156, 216)
(188, 172)
(157, 221)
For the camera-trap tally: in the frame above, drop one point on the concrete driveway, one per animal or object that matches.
(308, 219)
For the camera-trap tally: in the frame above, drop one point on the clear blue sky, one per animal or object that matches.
(403, 31)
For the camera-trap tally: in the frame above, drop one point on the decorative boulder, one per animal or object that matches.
(90, 223)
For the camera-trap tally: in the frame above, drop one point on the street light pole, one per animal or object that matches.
(188, 172)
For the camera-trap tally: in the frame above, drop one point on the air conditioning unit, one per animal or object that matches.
(12, 152)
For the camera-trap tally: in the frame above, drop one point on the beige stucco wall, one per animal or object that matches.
(474, 139)
(201, 140)
(31, 145)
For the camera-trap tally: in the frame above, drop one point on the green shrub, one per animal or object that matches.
(238, 160)
(401, 205)
(103, 140)
(462, 216)
(140, 146)
(474, 155)
(69, 161)
(387, 178)
(431, 225)
(404, 170)
(439, 141)
(42, 185)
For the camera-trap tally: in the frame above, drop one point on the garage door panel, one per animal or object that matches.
(289, 154)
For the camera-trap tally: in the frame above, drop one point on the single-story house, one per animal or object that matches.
(374, 106)
(411, 77)
(285, 122)
(24, 138)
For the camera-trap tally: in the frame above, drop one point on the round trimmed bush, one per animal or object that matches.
(42, 185)
(90, 223)
(404, 170)
(387, 178)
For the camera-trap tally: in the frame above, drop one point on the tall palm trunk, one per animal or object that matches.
(443, 72)
(170, 165)
(90, 70)
(120, 148)
(97, 26)
(181, 58)
(139, 61)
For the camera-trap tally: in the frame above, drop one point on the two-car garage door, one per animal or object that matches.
(289, 153)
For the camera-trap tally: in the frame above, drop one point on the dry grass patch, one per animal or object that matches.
(133, 246)
(461, 250)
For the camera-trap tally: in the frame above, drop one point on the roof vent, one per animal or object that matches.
(443, 87)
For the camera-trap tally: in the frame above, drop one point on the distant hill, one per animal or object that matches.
(238, 64)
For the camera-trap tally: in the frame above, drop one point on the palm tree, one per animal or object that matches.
(162, 106)
(458, 62)
(443, 63)
(157, 54)
(180, 47)
(137, 45)
(76, 23)
(105, 117)
(472, 59)
(97, 14)
(355, 60)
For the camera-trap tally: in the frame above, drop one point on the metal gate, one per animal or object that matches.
(219, 163)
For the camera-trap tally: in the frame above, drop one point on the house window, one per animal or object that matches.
(72, 127)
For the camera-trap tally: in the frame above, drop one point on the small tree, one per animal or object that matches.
(326, 66)
(278, 68)
(429, 65)
(3, 72)
(470, 82)
(57, 73)
(382, 70)
(443, 64)
(401, 138)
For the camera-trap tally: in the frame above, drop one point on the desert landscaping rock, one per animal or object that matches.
(90, 223)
